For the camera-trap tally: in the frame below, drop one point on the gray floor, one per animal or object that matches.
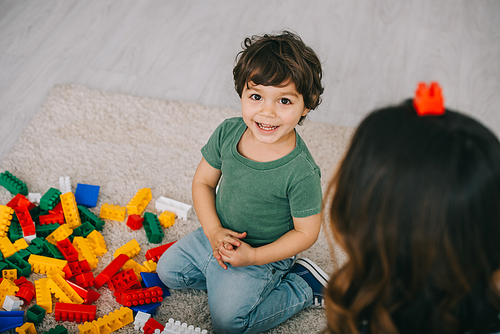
(374, 51)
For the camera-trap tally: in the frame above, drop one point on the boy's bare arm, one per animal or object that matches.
(205, 181)
(303, 236)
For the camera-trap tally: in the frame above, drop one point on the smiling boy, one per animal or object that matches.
(268, 204)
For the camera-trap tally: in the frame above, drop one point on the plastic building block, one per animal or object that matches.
(34, 197)
(12, 303)
(124, 280)
(43, 296)
(151, 325)
(96, 241)
(85, 252)
(61, 233)
(139, 202)
(13, 184)
(26, 291)
(25, 220)
(88, 216)
(6, 247)
(21, 244)
(65, 184)
(84, 230)
(182, 210)
(151, 280)
(154, 231)
(28, 237)
(35, 314)
(85, 279)
(167, 219)
(26, 328)
(11, 320)
(429, 100)
(131, 249)
(7, 288)
(67, 250)
(139, 296)
(140, 320)
(50, 199)
(155, 253)
(109, 323)
(88, 295)
(62, 290)
(110, 270)
(5, 219)
(112, 212)
(44, 264)
(173, 326)
(138, 269)
(57, 330)
(53, 218)
(146, 308)
(51, 250)
(20, 200)
(10, 274)
(150, 265)
(134, 222)
(58, 208)
(74, 312)
(76, 268)
(43, 231)
(19, 264)
(86, 194)
(70, 210)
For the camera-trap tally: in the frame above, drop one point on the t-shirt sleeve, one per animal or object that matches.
(305, 197)
(212, 149)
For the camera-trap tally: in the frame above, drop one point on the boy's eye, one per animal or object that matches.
(285, 101)
(256, 97)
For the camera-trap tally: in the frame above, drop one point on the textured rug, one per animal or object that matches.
(124, 143)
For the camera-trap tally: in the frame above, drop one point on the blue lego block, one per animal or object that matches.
(86, 195)
(11, 319)
(151, 279)
(146, 308)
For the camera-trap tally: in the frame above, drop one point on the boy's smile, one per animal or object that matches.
(272, 112)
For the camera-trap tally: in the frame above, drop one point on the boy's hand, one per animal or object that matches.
(227, 239)
(244, 255)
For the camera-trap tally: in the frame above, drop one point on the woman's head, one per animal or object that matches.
(416, 206)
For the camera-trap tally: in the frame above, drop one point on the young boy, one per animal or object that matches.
(267, 206)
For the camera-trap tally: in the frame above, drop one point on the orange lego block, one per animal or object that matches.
(131, 249)
(5, 219)
(429, 99)
(43, 296)
(61, 233)
(6, 247)
(139, 202)
(70, 210)
(166, 219)
(43, 264)
(96, 241)
(112, 212)
(85, 252)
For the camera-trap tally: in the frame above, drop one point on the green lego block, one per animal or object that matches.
(15, 230)
(35, 314)
(83, 230)
(154, 231)
(44, 230)
(50, 199)
(38, 242)
(3, 266)
(33, 249)
(24, 253)
(13, 184)
(57, 330)
(52, 251)
(88, 216)
(17, 262)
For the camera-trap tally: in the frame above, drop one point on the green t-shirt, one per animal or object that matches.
(261, 198)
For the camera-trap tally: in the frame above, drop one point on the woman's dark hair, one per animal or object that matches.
(274, 60)
(415, 204)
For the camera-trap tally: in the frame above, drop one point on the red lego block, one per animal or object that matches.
(429, 99)
(88, 295)
(20, 200)
(26, 290)
(76, 268)
(67, 250)
(24, 217)
(124, 280)
(85, 279)
(75, 312)
(155, 253)
(57, 209)
(151, 325)
(110, 270)
(139, 296)
(53, 218)
(134, 222)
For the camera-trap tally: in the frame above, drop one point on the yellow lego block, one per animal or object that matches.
(96, 241)
(70, 210)
(114, 320)
(150, 266)
(138, 269)
(166, 219)
(88, 328)
(85, 252)
(26, 328)
(139, 202)
(20, 244)
(6, 247)
(131, 249)
(5, 219)
(10, 274)
(7, 288)
(43, 264)
(62, 290)
(43, 296)
(113, 212)
(61, 233)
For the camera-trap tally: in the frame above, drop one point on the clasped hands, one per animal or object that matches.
(228, 248)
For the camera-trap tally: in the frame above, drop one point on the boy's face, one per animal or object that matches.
(271, 112)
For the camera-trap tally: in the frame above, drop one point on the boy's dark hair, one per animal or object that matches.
(416, 206)
(273, 60)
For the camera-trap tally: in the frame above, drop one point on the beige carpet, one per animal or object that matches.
(123, 143)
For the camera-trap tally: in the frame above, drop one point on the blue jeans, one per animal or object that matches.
(241, 299)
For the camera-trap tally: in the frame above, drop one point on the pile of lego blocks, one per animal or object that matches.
(146, 324)
(60, 238)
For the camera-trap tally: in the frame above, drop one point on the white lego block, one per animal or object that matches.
(182, 210)
(64, 184)
(140, 320)
(175, 327)
(34, 197)
(29, 238)
(12, 303)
